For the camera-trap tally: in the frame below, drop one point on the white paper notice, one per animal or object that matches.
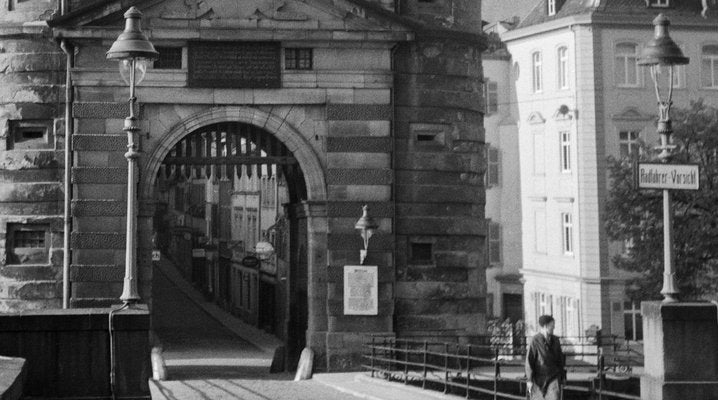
(361, 290)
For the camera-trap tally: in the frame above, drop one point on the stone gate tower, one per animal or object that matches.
(385, 109)
(440, 290)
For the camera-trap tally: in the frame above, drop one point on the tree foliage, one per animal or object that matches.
(636, 216)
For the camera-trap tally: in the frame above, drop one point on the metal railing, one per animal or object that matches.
(476, 370)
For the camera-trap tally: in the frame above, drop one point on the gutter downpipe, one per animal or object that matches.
(69, 125)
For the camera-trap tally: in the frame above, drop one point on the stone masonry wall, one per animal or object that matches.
(440, 225)
(31, 195)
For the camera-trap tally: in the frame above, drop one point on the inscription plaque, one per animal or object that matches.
(234, 64)
(361, 290)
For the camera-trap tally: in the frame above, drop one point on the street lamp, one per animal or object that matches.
(661, 55)
(366, 227)
(133, 51)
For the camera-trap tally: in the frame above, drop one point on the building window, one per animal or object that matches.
(27, 244)
(494, 243)
(421, 253)
(563, 68)
(627, 72)
(565, 152)
(660, 3)
(633, 321)
(491, 97)
(493, 176)
(551, 7)
(298, 58)
(709, 66)
(30, 134)
(545, 305)
(628, 143)
(537, 71)
(567, 233)
(170, 58)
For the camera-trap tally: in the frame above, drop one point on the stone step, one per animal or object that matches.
(97, 208)
(99, 142)
(103, 175)
(97, 273)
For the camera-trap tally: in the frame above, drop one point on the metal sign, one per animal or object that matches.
(198, 253)
(156, 255)
(361, 290)
(667, 176)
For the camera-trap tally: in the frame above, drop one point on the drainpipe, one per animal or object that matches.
(64, 45)
(63, 7)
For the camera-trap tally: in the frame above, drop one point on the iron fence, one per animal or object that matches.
(485, 371)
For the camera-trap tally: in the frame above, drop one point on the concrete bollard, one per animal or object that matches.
(306, 364)
(159, 370)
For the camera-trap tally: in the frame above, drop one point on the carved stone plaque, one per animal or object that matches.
(234, 64)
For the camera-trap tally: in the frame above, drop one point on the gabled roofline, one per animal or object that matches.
(114, 8)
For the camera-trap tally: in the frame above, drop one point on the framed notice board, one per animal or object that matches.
(234, 64)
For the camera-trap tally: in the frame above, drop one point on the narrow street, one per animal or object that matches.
(205, 360)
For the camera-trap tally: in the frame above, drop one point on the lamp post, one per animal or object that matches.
(366, 227)
(661, 55)
(133, 50)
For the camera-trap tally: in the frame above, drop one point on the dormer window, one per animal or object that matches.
(554, 6)
(659, 3)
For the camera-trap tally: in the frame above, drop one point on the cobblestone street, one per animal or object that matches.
(205, 360)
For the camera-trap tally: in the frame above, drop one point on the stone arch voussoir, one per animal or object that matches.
(285, 133)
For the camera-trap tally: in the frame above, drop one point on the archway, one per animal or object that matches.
(231, 156)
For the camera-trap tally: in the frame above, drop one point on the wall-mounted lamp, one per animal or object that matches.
(366, 226)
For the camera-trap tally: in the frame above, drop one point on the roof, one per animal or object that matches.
(680, 12)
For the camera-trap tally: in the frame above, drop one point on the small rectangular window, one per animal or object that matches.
(491, 97)
(27, 244)
(628, 143)
(567, 233)
(660, 3)
(298, 58)
(565, 152)
(30, 134)
(494, 243)
(493, 167)
(537, 68)
(170, 58)
(421, 252)
(551, 7)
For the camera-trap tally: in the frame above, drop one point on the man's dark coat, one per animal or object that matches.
(544, 361)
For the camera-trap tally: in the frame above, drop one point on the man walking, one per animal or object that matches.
(544, 363)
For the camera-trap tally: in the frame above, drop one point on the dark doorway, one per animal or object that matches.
(228, 196)
(513, 306)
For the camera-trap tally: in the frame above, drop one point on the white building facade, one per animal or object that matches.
(581, 98)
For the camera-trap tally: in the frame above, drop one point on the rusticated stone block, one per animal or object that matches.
(446, 161)
(95, 302)
(380, 241)
(359, 112)
(359, 128)
(359, 176)
(434, 290)
(31, 272)
(31, 208)
(354, 209)
(82, 175)
(448, 322)
(440, 194)
(440, 209)
(96, 208)
(30, 192)
(96, 240)
(358, 323)
(335, 274)
(361, 144)
(437, 307)
(104, 110)
(34, 290)
(86, 290)
(441, 225)
(434, 274)
(29, 175)
(100, 142)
